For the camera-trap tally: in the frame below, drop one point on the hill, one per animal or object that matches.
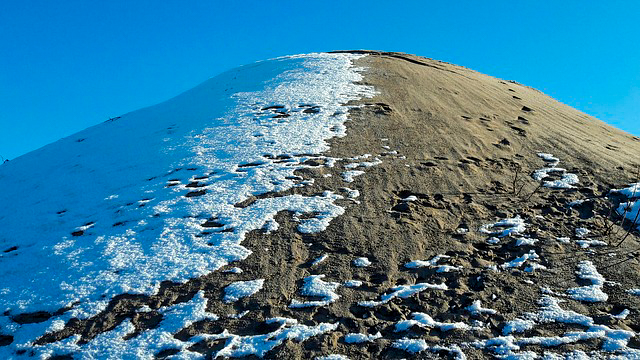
(358, 204)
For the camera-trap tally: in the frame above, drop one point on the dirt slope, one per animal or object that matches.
(465, 145)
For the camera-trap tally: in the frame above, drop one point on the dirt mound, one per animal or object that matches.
(483, 226)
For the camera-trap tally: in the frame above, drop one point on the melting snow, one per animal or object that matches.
(622, 315)
(424, 320)
(361, 262)
(411, 345)
(589, 243)
(505, 227)
(353, 283)
(112, 345)
(631, 211)
(632, 192)
(241, 289)
(567, 179)
(364, 164)
(234, 270)
(152, 227)
(259, 345)
(591, 293)
(635, 292)
(315, 286)
(477, 309)
(519, 261)
(430, 263)
(332, 357)
(549, 158)
(319, 259)
(353, 338)
(523, 241)
(348, 176)
(582, 232)
(517, 326)
(403, 291)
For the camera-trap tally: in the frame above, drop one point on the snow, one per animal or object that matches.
(361, 262)
(353, 338)
(454, 350)
(567, 179)
(403, 291)
(589, 243)
(111, 345)
(630, 210)
(613, 340)
(476, 309)
(576, 202)
(511, 226)
(259, 345)
(270, 226)
(360, 157)
(517, 326)
(241, 289)
(635, 292)
(587, 271)
(591, 293)
(332, 357)
(519, 261)
(430, 263)
(411, 345)
(632, 192)
(622, 315)
(119, 217)
(364, 164)
(348, 176)
(316, 287)
(523, 241)
(353, 283)
(550, 312)
(424, 320)
(582, 232)
(233, 270)
(447, 268)
(410, 198)
(351, 193)
(549, 158)
(493, 240)
(319, 259)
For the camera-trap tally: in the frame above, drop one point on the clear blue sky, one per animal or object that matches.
(66, 65)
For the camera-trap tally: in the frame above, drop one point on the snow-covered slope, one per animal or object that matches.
(148, 197)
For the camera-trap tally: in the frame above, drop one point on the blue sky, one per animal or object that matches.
(67, 65)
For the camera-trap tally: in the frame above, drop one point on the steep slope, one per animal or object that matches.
(238, 219)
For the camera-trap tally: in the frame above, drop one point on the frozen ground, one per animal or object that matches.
(149, 197)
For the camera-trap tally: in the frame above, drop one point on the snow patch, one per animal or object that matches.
(241, 289)
(361, 262)
(316, 287)
(403, 291)
(353, 338)
(505, 227)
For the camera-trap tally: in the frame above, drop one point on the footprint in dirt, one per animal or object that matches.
(520, 131)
